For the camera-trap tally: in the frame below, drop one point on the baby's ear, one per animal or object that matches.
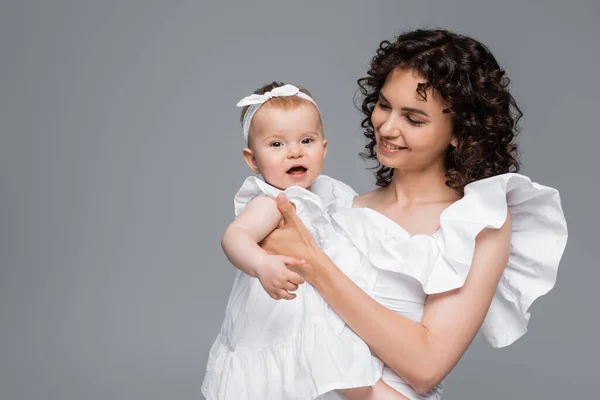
(324, 147)
(250, 160)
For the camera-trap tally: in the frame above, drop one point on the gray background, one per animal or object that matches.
(120, 152)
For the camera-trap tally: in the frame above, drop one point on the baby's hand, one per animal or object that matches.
(277, 280)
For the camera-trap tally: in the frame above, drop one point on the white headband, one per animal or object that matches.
(254, 101)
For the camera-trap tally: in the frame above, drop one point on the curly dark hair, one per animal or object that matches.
(467, 76)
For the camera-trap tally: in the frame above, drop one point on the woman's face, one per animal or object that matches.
(411, 133)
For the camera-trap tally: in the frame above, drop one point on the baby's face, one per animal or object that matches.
(287, 146)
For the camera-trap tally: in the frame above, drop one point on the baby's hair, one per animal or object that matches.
(283, 102)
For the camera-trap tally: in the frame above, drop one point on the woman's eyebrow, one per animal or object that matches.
(408, 109)
(414, 110)
(383, 97)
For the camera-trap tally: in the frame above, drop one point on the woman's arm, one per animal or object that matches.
(421, 353)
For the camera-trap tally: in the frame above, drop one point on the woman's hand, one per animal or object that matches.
(292, 239)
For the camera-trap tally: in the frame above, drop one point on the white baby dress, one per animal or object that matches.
(289, 349)
(400, 270)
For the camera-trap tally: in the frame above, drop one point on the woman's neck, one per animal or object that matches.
(418, 187)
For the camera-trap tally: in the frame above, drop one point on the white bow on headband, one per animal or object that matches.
(285, 90)
(254, 101)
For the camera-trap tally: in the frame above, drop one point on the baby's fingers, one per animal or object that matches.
(294, 278)
(283, 294)
(274, 294)
(290, 286)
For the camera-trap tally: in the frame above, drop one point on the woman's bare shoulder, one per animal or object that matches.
(367, 199)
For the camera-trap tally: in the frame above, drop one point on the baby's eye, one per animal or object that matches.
(276, 144)
(307, 140)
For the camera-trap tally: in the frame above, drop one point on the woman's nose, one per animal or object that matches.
(390, 128)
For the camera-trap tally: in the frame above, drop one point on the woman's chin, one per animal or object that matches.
(389, 162)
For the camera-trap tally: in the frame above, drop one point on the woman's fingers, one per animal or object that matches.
(291, 261)
(285, 207)
(292, 221)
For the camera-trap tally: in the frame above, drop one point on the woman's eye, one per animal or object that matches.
(383, 106)
(413, 121)
(307, 141)
(276, 144)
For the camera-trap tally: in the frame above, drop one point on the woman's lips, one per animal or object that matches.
(386, 150)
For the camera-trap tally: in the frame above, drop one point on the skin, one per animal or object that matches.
(422, 353)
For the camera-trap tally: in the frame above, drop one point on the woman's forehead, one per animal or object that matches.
(401, 86)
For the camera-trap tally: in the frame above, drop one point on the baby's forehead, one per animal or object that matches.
(304, 108)
(301, 119)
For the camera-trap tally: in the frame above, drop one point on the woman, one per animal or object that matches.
(453, 241)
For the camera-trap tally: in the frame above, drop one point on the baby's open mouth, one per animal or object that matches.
(296, 170)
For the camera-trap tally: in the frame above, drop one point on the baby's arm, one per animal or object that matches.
(254, 223)
(240, 244)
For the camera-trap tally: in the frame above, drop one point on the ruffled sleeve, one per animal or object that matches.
(326, 193)
(314, 206)
(334, 194)
(539, 238)
(441, 262)
(250, 189)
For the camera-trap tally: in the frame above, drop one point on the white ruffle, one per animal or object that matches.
(307, 364)
(282, 350)
(326, 193)
(441, 262)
